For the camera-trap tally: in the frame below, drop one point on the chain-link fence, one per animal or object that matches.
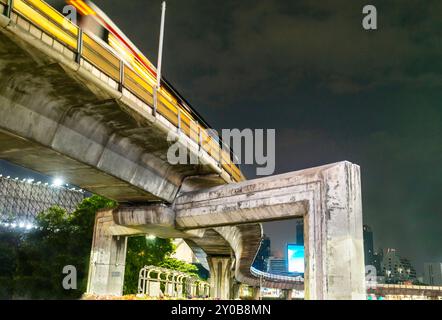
(22, 200)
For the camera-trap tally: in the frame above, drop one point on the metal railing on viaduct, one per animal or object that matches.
(46, 23)
(156, 281)
(278, 281)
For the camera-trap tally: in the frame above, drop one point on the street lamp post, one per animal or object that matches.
(160, 58)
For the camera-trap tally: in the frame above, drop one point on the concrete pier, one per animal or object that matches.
(221, 277)
(108, 258)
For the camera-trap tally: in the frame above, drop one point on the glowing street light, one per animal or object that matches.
(57, 182)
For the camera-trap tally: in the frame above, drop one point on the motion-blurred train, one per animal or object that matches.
(97, 24)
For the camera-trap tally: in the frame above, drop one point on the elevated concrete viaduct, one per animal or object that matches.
(63, 115)
(59, 119)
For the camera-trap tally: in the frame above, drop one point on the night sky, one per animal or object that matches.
(332, 90)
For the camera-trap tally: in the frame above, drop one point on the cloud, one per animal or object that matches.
(221, 54)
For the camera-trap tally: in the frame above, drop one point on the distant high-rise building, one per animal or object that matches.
(433, 274)
(377, 261)
(300, 232)
(395, 268)
(408, 270)
(368, 246)
(263, 254)
(276, 266)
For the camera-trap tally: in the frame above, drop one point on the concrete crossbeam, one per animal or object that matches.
(156, 219)
(329, 200)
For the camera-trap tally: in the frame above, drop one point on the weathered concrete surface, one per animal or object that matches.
(244, 241)
(329, 199)
(221, 278)
(108, 258)
(61, 120)
(155, 219)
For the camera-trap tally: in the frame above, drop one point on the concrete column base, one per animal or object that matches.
(221, 277)
(287, 294)
(236, 291)
(256, 293)
(108, 257)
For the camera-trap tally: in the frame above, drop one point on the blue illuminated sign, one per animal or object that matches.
(295, 258)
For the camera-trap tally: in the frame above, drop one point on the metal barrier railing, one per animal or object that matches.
(156, 282)
(54, 24)
(275, 277)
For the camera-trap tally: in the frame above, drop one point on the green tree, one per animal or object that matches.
(9, 242)
(31, 264)
(178, 265)
(142, 251)
(61, 239)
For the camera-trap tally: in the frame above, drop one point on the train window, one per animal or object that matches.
(90, 24)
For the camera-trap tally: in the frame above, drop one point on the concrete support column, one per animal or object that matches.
(221, 280)
(236, 291)
(108, 257)
(333, 239)
(287, 294)
(256, 293)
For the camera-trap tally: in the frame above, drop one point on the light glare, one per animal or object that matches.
(58, 182)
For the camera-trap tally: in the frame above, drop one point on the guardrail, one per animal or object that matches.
(85, 47)
(275, 277)
(156, 282)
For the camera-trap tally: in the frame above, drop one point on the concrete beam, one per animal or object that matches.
(251, 201)
(329, 200)
(155, 219)
(145, 218)
(245, 241)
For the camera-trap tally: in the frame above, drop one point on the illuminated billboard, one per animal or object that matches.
(295, 258)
